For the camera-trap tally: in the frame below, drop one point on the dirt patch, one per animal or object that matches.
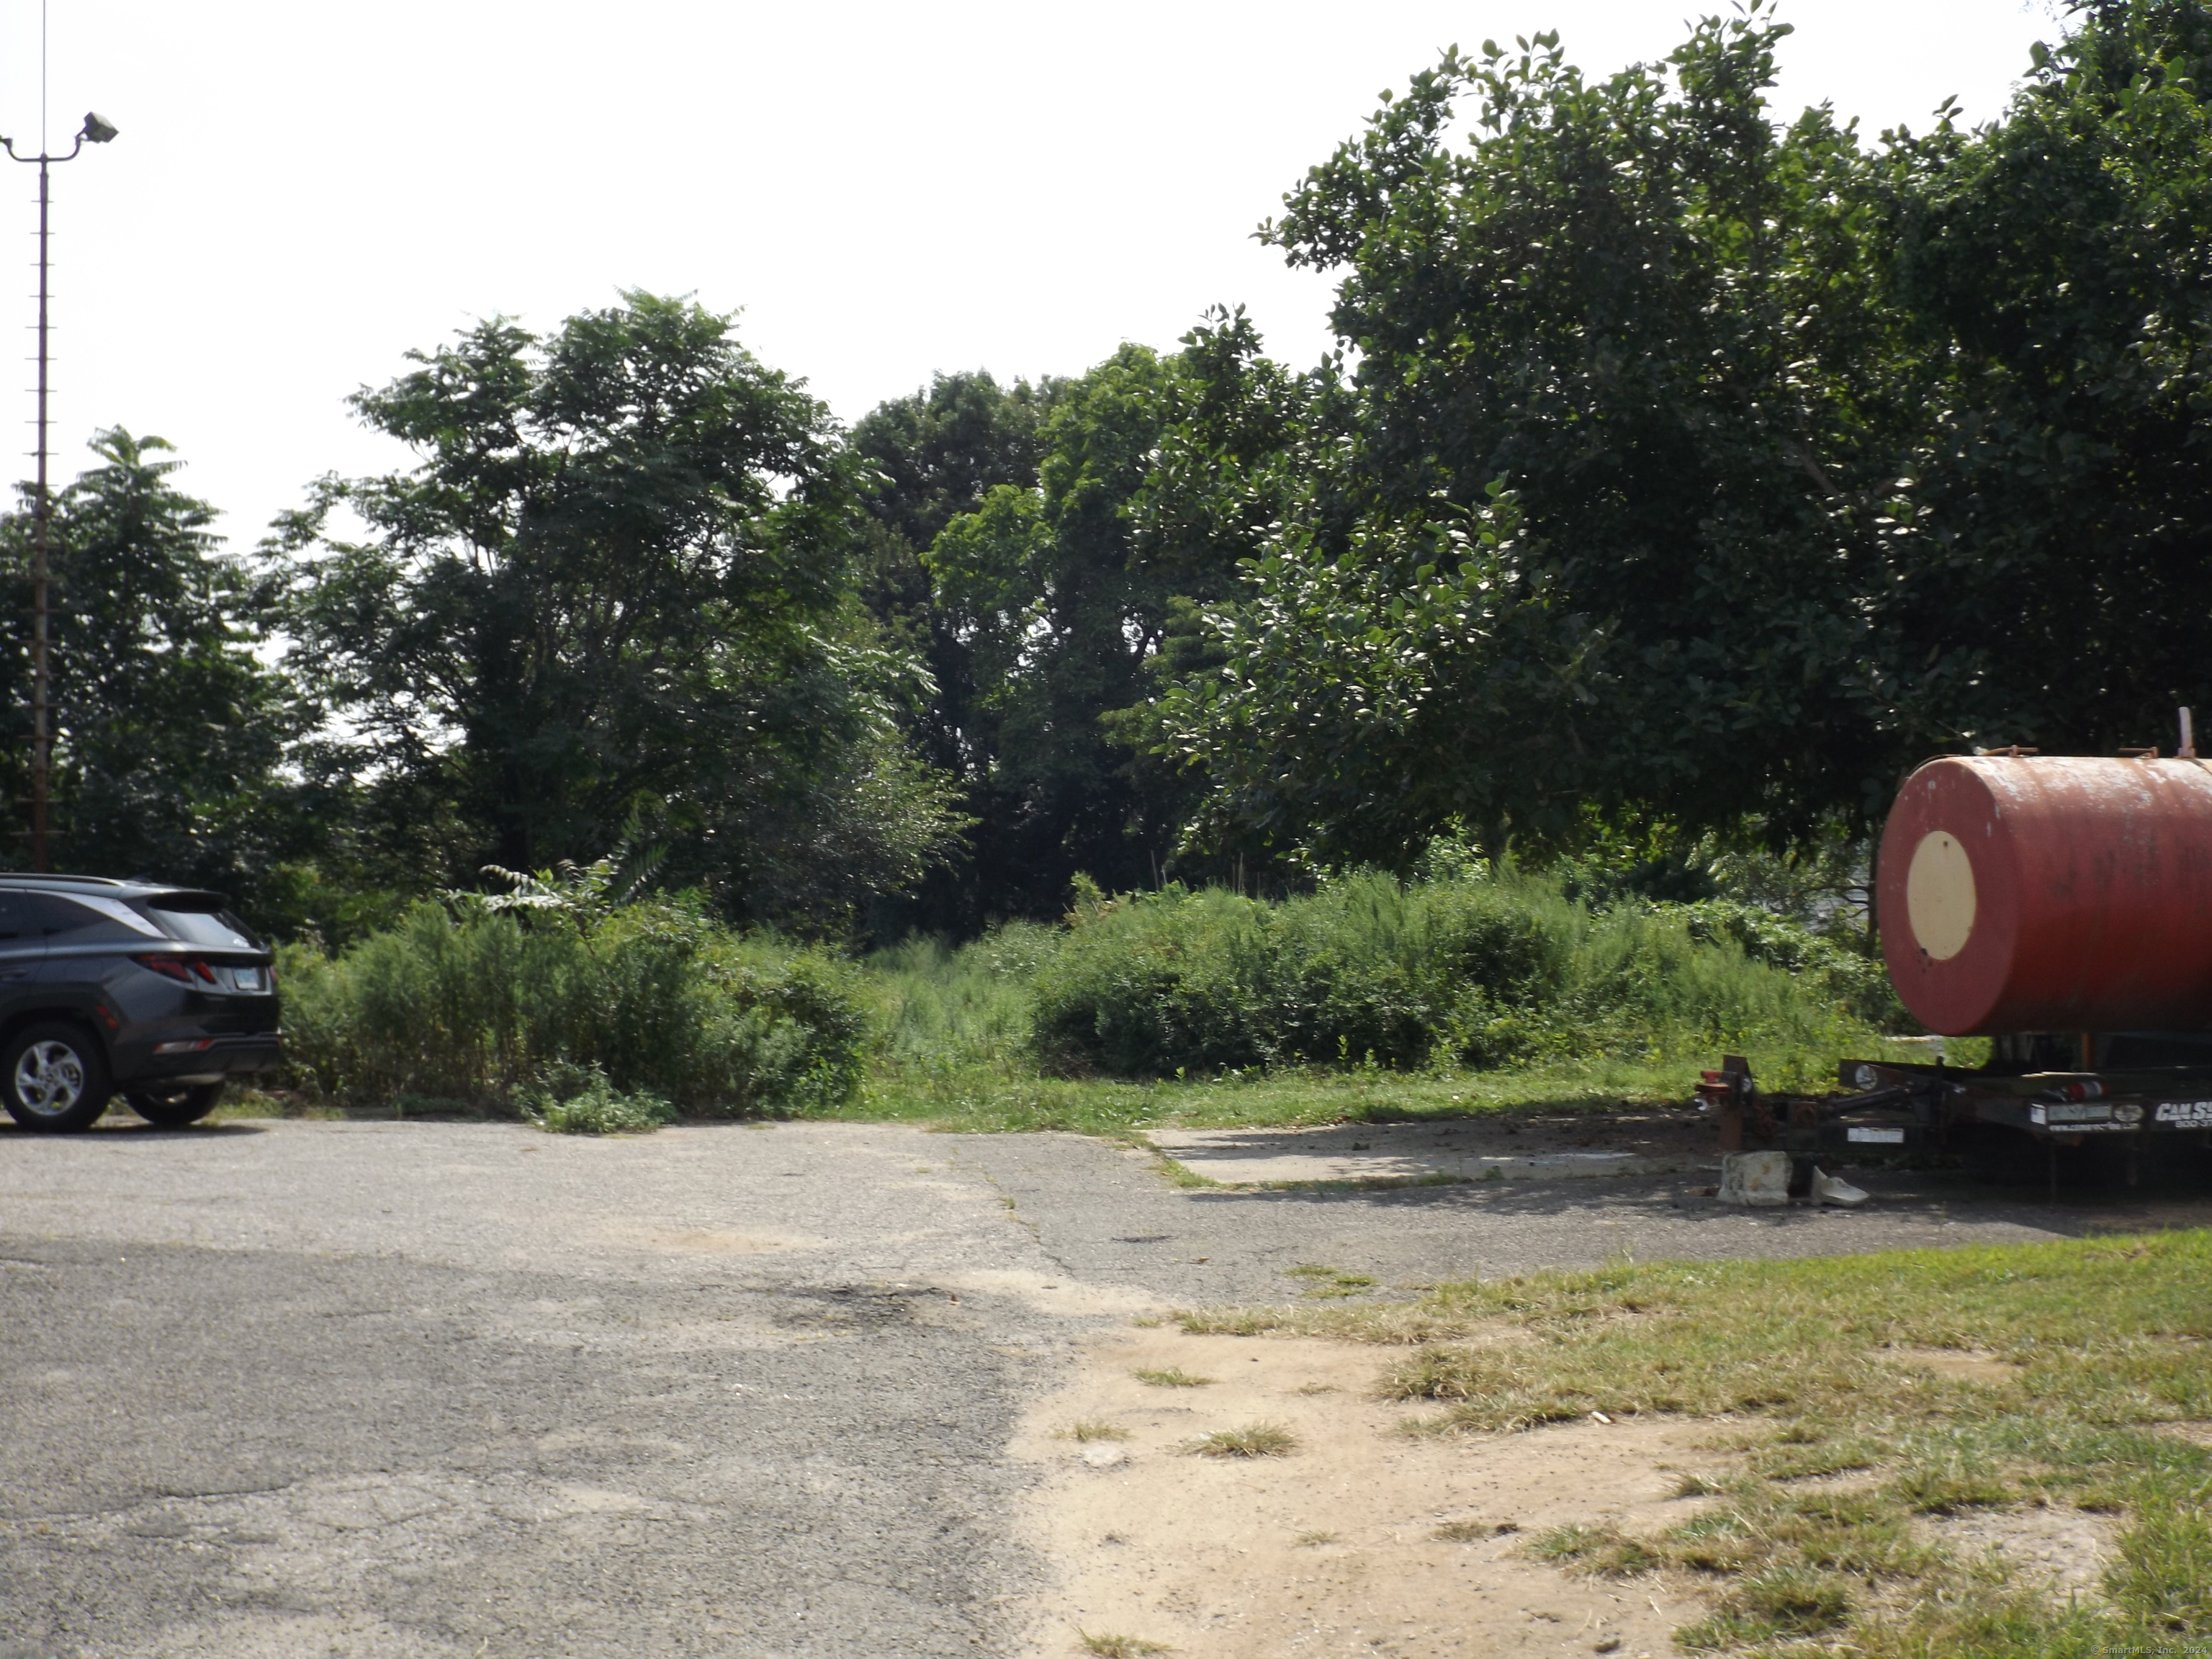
(2066, 1550)
(1961, 1365)
(1059, 1294)
(2197, 1433)
(1332, 1549)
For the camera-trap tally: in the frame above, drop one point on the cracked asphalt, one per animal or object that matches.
(468, 1390)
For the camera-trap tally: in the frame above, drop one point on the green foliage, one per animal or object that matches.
(1046, 585)
(2053, 508)
(930, 459)
(1700, 464)
(1481, 970)
(1617, 392)
(622, 573)
(1843, 968)
(169, 733)
(1061, 536)
(935, 455)
(941, 1008)
(471, 1004)
(579, 1100)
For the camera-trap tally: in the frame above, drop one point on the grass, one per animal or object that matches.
(1120, 1647)
(1478, 965)
(1307, 1540)
(1368, 1001)
(956, 1040)
(1091, 1429)
(1171, 1378)
(1009, 1096)
(1805, 1368)
(1253, 1440)
(950, 1038)
(461, 1002)
(1331, 1283)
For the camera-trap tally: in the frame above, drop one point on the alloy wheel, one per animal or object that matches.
(50, 1079)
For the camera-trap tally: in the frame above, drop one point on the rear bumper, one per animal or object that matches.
(224, 1056)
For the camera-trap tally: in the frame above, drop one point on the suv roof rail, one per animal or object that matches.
(88, 881)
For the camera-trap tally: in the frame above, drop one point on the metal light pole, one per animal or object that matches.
(96, 131)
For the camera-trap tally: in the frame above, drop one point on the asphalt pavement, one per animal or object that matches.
(469, 1389)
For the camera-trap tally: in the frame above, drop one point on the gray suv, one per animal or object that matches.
(158, 992)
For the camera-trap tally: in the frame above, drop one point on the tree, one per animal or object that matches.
(1040, 586)
(170, 733)
(2055, 540)
(928, 458)
(1063, 596)
(623, 575)
(1621, 505)
(933, 455)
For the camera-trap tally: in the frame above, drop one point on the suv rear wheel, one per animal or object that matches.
(174, 1108)
(53, 1077)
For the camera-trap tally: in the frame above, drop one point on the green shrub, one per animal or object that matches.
(480, 1005)
(939, 1007)
(579, 1100)
(1854, 976)
(1477, 969)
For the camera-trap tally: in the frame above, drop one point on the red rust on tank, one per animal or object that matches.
(2050, 894)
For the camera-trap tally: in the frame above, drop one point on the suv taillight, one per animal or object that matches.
(183, 970)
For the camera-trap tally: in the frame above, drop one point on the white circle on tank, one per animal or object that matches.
(1939, 894)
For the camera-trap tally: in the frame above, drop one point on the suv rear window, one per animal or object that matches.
(94, 918)
(218, 928)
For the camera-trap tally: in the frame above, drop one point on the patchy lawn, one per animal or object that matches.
(1900, 1445)
(1009, 1095)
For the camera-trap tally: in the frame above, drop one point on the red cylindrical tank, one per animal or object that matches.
(2050, 894)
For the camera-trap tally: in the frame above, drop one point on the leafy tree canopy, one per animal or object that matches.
(1697, 466)
(622, 575)
(169, 731)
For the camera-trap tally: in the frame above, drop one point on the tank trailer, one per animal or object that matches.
(2062, 906)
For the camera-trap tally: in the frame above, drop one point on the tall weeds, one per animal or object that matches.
(1477, 971)
(939, 1007)
(480, 1006)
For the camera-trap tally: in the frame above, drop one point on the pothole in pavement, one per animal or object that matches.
(848, 1307)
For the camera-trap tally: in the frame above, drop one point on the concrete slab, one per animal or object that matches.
(1387, 1151)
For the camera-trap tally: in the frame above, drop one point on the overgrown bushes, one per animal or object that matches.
(942, 1008)
(585, 1014)
(504, 1011)
(1478, 971)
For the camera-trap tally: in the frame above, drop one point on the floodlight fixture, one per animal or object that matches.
(97, 131)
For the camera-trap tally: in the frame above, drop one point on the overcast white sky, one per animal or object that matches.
(302, 191)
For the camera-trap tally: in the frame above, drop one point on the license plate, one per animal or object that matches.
(2071, 1113)
(1862, 1136)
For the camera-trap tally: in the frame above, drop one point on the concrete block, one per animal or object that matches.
(1760, 1180)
